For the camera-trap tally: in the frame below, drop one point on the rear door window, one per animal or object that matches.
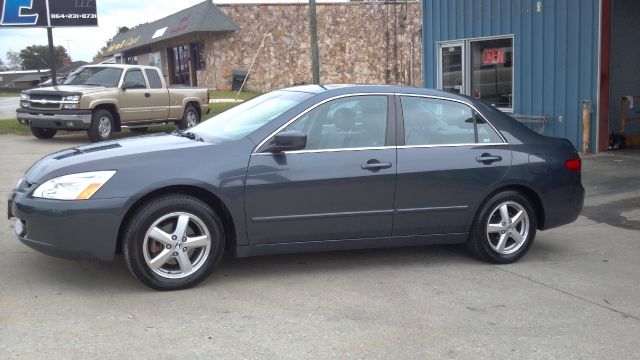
(429, 121)
(154, 79)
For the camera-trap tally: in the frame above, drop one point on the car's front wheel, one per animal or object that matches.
(504, 229)
(173, 242)
(43, 133)
(101, 125)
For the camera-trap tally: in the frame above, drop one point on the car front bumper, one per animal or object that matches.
(61, 119)
(83, 229)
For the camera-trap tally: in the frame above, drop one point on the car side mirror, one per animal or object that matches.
(289, 141)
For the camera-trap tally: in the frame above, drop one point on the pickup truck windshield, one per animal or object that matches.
(243, 119)
(97, 76)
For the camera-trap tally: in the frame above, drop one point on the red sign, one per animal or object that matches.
(493, 56)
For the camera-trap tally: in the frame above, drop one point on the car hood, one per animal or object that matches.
(110, 155)
(84, 89)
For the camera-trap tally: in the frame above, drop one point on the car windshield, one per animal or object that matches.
(98, 76)
(249, 116)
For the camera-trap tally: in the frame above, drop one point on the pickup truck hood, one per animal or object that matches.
(110, 155)
(84, 89)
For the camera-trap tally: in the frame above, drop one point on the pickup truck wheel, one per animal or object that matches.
(190, 118)
(101, 125)
(42, 133)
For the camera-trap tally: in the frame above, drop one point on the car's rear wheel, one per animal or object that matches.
(43, 133)
(173, 242)
(504, 229)
(190, 118)
(101, 125)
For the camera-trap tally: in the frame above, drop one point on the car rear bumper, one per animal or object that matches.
(63, 119)
(564, 206)
(86, 229)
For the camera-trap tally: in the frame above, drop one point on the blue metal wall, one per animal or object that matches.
(555, 52)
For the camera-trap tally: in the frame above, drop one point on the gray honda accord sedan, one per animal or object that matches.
(310, 168)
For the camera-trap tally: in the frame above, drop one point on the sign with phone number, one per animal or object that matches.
(48, 13)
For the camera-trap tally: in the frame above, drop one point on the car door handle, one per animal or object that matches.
(147, 95)
(488, 158)
(375, 165)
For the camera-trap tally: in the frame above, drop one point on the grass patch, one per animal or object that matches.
(12, 126)
(217, 108)
(245, 95)
(9, 93)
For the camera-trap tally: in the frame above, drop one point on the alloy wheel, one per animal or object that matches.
(508, 227)
(176, 245)
(104, 127)
(192, 119)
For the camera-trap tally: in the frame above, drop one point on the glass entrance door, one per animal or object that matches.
(181, 69)
(451, 72)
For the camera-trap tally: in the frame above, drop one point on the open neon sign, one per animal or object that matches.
(493, 56)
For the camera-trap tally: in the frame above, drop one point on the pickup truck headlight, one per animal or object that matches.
(71, 98)
(71, 102)
(79, 186)
(24, 100)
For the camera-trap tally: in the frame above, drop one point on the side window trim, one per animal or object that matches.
(391, 121)
(400, 121)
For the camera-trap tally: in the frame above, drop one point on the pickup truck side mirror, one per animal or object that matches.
(130, 85)
(288, 141)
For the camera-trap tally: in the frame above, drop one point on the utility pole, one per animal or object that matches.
(313, 32)
(52, 57)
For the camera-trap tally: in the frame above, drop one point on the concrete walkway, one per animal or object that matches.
(8, 106)
(214, 101)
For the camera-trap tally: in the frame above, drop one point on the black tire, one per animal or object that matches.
(190, 118)
(484, 241)
(139, 249)
(101, 125)
(43, 133)
(139, 130)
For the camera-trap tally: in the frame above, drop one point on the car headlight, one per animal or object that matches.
(71, 98)
(79, 186)
(24, 96)
(71, 102)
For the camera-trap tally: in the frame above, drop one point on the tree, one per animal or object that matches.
(2, 67)
(37, 57)
(13, 60)
(103, 50)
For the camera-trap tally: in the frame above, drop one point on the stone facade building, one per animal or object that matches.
(374, 43)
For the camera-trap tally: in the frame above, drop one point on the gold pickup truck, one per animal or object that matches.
(102, 99)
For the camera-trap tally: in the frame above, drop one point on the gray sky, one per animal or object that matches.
(83, 43)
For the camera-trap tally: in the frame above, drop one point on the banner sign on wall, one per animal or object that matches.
(48, 13)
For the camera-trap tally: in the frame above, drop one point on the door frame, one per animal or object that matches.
(463, 55)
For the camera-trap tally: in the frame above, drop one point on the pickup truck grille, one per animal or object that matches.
(45, 102)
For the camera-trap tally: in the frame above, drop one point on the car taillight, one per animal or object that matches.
(573, 165)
